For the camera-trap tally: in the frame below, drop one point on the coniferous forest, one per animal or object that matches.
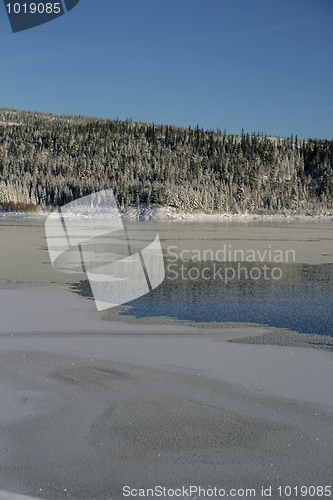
(48, 160)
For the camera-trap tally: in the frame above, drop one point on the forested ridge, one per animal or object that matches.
(48, 160)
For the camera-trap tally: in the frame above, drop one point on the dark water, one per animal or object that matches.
(302, 300)
(298, 295)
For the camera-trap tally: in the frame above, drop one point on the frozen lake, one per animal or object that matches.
(273, 273)
(172, 388)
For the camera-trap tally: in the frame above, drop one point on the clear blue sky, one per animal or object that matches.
(263, 66)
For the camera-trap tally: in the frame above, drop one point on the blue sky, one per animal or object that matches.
(265, 66)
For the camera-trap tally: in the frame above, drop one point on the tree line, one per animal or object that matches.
(48, 160)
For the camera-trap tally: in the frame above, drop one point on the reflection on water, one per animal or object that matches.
(302, 300)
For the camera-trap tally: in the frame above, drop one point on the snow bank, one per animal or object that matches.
(156, 212)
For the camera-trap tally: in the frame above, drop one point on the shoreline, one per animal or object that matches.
(157, 212)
